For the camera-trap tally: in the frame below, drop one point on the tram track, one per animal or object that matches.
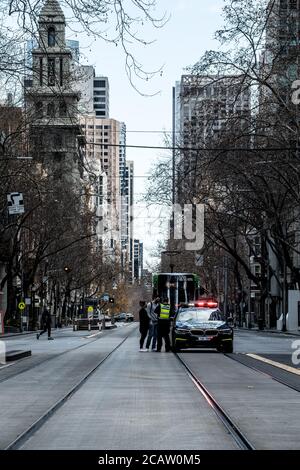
(236, 433)
(45, 360)
(258, 368)
(25, 435)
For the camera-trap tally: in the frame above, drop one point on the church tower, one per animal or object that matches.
(51, 101)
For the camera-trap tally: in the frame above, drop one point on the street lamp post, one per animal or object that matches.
(284, 296)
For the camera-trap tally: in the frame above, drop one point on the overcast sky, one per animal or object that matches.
(179, 44)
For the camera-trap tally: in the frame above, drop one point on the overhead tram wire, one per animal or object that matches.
(194, 149)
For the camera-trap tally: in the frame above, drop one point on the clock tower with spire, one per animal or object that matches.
(52, 104)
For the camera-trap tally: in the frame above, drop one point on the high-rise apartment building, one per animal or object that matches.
(127, 218)
(101, 97)
(102, 148)
(203, 108)
(138, 260)
(94, 91)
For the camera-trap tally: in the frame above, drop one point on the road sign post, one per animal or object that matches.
(15, 203)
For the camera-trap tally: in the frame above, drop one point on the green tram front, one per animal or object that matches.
(179, 288)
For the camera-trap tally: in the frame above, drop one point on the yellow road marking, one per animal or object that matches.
(293, 370)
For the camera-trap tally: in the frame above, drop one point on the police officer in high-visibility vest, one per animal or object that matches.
(163, 329)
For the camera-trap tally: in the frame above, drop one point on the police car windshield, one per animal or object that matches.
(195, 315)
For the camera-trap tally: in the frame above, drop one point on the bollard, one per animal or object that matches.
(89, 326)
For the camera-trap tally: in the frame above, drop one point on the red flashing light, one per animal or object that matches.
(207, 303)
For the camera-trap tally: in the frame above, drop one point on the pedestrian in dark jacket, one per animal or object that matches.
(152, 310)
(46, 324)
(144, 324)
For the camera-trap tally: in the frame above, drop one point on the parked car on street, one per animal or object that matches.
(120, 317)
(129, 317)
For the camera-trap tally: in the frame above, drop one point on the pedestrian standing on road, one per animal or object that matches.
(163, 327)
(144, 324)
(46, 324)
(152, 311)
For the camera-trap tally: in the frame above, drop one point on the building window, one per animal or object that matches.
(51, 72)
(41, 71)
(99, 83)
(51, 37)
(39, 110)
(61, 71)
(100, 113)
(99, 106)
(58, 141)
(62, 109)
(99, 92)
(51, 110)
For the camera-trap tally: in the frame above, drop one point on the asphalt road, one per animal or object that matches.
(147, 401)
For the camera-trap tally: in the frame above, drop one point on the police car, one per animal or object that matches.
(201, 325)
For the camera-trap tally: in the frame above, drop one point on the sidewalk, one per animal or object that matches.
(25, 333)
(10, 335)
(268, 330)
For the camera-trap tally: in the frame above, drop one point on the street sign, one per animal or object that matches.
(90, 312)
(15, 203)
(21, 305)
(199, 259)
(28, 301)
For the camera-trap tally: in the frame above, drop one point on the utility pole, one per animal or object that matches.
(173, 165)
(284, 285)
(225, 285)
(173, 145)
(284, 296)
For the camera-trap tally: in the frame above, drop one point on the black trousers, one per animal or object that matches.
(163, 332)
(46, 328)
(143, 337)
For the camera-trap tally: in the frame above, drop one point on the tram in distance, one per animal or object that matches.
(197, 322)
(179, 288)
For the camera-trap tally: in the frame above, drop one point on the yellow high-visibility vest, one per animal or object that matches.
(164, 312)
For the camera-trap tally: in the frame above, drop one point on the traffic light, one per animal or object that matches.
(67, 269)
(111, 300)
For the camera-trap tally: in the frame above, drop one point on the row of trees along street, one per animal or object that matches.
(239, 155)
(51, 252)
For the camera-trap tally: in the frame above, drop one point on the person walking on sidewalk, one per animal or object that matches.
(163, 327)
(46, 324)
(144, 324)
(152, 311)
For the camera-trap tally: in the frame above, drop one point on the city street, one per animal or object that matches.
(100, 392)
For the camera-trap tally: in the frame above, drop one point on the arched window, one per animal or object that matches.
(51, 36)
(51, 110)
(39, 110)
